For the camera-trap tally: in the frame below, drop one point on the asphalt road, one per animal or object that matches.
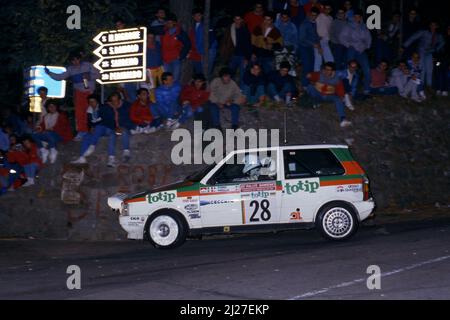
(414, 258)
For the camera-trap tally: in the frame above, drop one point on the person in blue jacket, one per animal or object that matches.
(167, 107)
(308, 41)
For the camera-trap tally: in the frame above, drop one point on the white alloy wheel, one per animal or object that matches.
(337, 223)
(164, 230)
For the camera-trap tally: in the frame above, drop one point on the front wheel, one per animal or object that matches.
(166, 230)
(337, 221)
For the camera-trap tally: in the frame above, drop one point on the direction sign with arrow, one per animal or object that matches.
(122, 55)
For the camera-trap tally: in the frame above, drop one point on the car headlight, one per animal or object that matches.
(124, 211)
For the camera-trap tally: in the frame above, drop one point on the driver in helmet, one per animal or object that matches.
(252, 168)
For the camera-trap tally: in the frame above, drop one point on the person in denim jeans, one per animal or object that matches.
(167, 107)
(115, 121)
(225, 93)
(327, 87)
(194, 98)
(254, 84)
(357, 39)
(281, 86)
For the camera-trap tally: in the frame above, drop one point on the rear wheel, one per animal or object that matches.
(166, 230)
(337, 221)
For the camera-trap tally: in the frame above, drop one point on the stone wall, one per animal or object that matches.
(403, 146)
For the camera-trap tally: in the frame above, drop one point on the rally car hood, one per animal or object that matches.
(167, 187)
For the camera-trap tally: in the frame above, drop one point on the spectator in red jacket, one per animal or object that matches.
(141, 115)
(326, 86)
(33, 162)
(194, 98)
(175, 46)
(255, 18)
(53, 128)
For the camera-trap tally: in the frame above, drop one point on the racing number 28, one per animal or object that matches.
(264, 214)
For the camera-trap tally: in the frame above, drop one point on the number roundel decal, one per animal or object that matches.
(264, 214)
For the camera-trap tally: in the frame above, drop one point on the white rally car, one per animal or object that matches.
(269, 189)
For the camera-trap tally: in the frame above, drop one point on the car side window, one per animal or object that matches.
(300, 164)
(247, 167)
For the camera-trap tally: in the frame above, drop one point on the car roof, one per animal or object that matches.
(293, 147)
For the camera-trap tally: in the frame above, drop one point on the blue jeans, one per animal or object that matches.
(253, 97)
(237, 62)
(340, 55)
(31, 169)
(94, 137)
(363, 61)
(51, 137)
(426, 61)
(187, 113)
(198, 65)
(267, 64)
(165, 111)
(215, 114)
(287, 88)
(174, 67)
(319, 97)
(307, 58)
(442, 77)
(384, 91)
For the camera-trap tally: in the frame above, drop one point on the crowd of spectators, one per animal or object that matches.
(305, 48)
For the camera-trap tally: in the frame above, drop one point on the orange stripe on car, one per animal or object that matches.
(352, 168)
(142, 199)
(339, 182)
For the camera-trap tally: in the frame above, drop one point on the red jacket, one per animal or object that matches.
(327, 87)
(25, 157)
(196, 97)
(252, 20)
(194, 55)
(171, 46)
(307, 7)
(140, 113)
(62, 127)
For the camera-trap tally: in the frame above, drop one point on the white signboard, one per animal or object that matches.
(122, 55)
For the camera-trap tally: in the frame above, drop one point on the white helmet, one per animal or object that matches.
(251, 162)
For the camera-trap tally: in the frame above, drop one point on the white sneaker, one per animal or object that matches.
(422, 95)
(348, 102)
(416, 99)
(135, 131)
(438, 92)
(111, 162)
(89, 151)
(149, 130)
(80, 160)
(445, 93)
(172, 124)
(53, 155)
(78, 137)
(345, 123)
(126, 155)
(29, 183)
(44, 155)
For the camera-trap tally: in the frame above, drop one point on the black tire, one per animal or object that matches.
(160, 226)
(337, 221)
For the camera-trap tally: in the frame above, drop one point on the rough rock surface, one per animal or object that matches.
(403, 146)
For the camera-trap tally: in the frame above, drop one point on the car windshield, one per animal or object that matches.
(199, 175)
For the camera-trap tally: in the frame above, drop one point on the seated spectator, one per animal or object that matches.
(4, 141)
(225, 93)
(112, 120)
(13, 162)
(167, 105)
(379, 80)
(350, 79)
(32, 163)
(288, 30)
(327, 87)
(415, 67)
(266, 39)
(401, 79)
(141, 115)
(281, 86)
(53, 129)
(253, 85)
(194, 98)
